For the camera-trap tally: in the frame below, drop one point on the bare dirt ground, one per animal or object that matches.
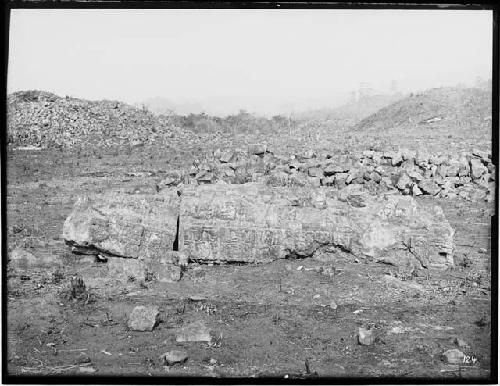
(291, 318)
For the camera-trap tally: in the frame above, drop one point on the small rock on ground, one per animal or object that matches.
(365, 336)
(173, 357)
(453, 356)
(143, 318)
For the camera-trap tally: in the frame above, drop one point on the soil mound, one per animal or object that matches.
(439, 109)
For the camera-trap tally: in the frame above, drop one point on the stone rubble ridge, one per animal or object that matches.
(45, 120)
(468, 175)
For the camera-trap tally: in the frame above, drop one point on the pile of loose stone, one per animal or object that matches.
(42, 119)
(467, 175)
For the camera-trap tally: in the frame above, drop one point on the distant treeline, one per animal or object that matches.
(243, 122)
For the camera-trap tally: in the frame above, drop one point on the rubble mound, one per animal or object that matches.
(469, 175)
(42, 119)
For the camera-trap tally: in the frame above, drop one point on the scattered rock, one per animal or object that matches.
(416, 190)
(404, 182)
(428, 186)
(453, 356)
(143, 318)
(477, 168)
(174, 357)
(365, 336)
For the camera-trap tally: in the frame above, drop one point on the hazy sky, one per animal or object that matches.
(261, 60)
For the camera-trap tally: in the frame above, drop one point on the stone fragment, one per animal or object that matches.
(353, 175)
(416, 176)
(174, 357)
(365, 336)
(374, 176)
(428, 186)
(477, 168)
(442, 171)
(194, 332)
(409, 166)
(125, 225)
(404, 182)
(143, 318)
(334, 168)
(453, 356)
(453, 169)
(422, 157)
(408, 154)
(416, 190)
(396, 159)
(257, 223)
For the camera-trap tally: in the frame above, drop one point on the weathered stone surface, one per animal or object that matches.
(255, 223)
(125, 225)
(477, 168)
(143, 318)
(365, 336)
(429, 186)
(404, 182)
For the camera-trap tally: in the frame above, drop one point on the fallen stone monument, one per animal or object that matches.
(258, 223)
(142, 228)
